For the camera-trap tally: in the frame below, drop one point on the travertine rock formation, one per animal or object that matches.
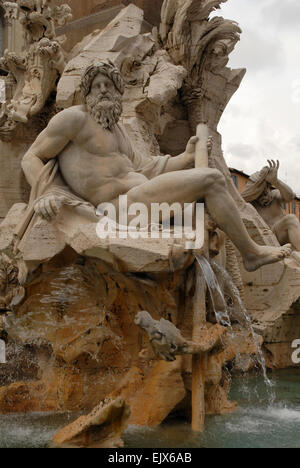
(102, 428)
(11, 293)
(76, 331)
(271, 297)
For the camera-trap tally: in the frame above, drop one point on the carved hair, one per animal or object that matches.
(105, 68)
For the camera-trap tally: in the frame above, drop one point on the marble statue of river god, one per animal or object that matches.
(87, 156)
(267, 193)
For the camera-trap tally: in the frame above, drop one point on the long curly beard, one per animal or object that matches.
(105, 112)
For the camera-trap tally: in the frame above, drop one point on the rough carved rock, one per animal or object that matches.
(121, 39)
(271, 297)
(11, 293)
(102, 428)
(78, 321)
(166, 384)
(71, 229)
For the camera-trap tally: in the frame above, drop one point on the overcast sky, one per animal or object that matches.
(263, 118)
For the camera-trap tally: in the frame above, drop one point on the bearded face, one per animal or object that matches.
(104, 102)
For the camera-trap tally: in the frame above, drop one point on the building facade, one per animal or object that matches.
(240, 180)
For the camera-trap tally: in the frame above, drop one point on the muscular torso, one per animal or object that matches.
(272, 213)
(96, 164)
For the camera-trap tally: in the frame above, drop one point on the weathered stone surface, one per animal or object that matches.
(8, 226)
(165, 70)
(90, 7)
(79, 319)
(102, 428)
(271, 297)
(160, 394)
(279, 337)
(134, 255)
(25, 397)
(121, 39)
(31, 76)
(216, 401)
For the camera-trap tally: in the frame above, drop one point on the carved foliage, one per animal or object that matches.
(32, 76)
(202, 45)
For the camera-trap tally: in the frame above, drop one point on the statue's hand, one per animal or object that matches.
(48, 207)
(191, 147)
(272, 176)
(210, 143)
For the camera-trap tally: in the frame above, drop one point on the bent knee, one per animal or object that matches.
(215, 178)
(291, 220)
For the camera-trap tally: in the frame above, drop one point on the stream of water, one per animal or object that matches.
(254, 425)
(237, 296)
(216, 294)
(223, 317)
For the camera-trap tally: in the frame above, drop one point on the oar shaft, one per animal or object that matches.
(201, 159)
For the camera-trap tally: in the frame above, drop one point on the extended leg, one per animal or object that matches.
(288, 230)
(208, 185)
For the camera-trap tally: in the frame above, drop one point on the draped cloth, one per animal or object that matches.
(255, 187)
(151, 166)
(47, 183)
(50, 181)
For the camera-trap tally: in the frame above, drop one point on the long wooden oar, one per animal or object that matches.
(199, 308)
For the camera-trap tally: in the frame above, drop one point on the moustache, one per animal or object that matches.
(105, 96)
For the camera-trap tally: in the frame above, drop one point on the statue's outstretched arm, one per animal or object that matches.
(186, 160)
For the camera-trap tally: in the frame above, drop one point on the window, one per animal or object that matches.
(235, 180)
(294, 207)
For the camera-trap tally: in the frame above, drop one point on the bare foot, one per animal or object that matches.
(266, 256)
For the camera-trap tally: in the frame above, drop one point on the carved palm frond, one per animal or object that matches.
(187, 32)
(202, 45)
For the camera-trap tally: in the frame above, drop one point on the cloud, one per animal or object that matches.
(260, 50)
(263, 118)
(242, 150)
(282, 14)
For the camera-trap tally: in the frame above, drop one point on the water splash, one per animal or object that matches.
(223, 317)
(260, 355)
(216, 294)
